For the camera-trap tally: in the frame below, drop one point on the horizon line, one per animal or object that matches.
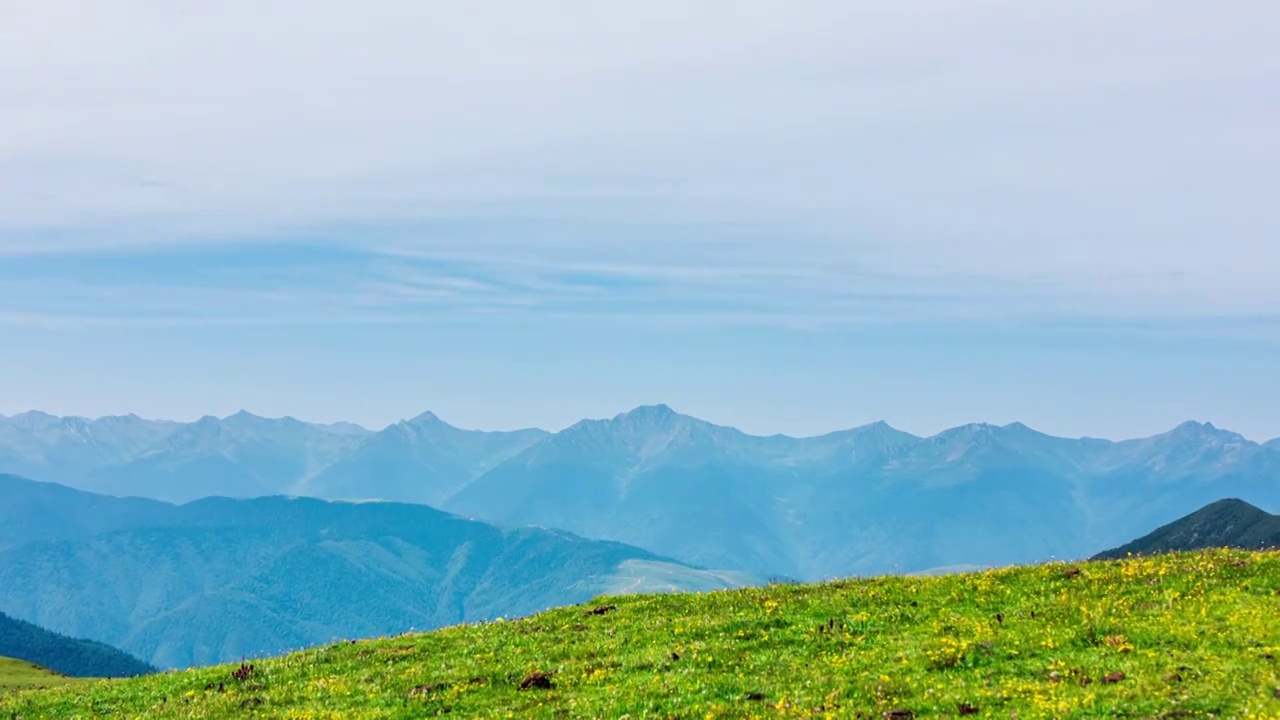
(430, 415)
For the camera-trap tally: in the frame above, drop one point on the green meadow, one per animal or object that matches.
(20, 675)
(1179, 636)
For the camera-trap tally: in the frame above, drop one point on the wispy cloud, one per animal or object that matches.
(810, 164)
(336, 284)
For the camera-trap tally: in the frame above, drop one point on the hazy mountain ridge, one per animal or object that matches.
(244, 455)
(63, 448)
(866, 500)
(217, 579)
(421, 460)
(55, 512)
(239, 456)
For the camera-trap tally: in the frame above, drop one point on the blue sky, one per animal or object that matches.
(787, 217)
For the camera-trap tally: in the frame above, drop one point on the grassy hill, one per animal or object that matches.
(1174, 636)
(65, 655)
(22, 675)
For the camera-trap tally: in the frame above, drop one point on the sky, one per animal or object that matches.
(784, 216)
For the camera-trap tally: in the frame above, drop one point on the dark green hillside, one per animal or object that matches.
(218, 579)
(1174, 636)
(1226, 523)
(31, 510)
(68, 656)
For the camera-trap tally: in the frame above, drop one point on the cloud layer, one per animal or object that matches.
(801, 163)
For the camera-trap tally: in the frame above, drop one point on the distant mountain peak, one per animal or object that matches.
(661, 411)
(34, 415)
(1022, 432)
(644, 430)
(1234, 504)
(1193, 429)
(879, 428)
(427, 419)
(422, 427)
(116, 419)
(349, 428)
(1192, 426)
(243, 421)
(870, 438)
(969, 431)
(34, 419)
(658, 417)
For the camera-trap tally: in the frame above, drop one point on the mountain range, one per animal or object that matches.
(862, 501)
(218, 579)
(421, 460)
(1230, 523)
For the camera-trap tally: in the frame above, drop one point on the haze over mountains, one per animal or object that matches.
(218, 579)
(867, 500)
(241, 455)
(420, 460)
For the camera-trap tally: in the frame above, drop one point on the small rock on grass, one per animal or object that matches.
(536, 681)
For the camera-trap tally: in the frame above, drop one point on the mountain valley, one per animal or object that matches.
(218, 579)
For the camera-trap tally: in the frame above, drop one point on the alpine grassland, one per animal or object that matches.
(1189, 635)
(21, 675)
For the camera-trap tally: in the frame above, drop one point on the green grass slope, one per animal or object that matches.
(1174, 636)
(22, 675)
